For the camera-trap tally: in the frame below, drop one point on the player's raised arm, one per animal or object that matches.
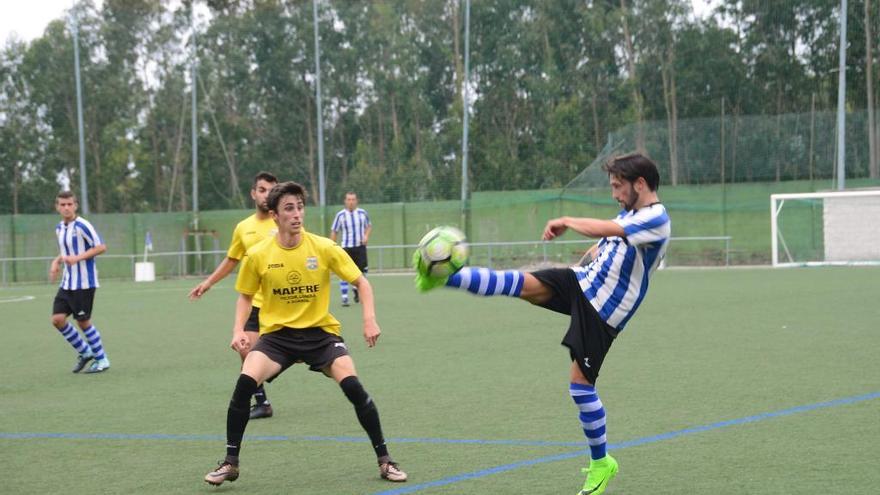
(223, 269)
(368, 310)
(589, 227)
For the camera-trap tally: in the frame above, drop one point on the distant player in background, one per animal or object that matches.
(292, 271)
(248, 232)
(79, 244)
(354, 227)
(600, 296)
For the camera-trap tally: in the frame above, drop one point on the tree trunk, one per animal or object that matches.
(668, 75)
(395, 125)
(311, 130)
(873, 167)
(456, 48)
(631, 65)
(15, 182)
(597, 132)
(776, 157)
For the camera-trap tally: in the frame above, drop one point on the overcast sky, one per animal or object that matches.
(28, 18)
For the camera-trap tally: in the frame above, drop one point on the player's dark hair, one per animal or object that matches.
(266, 176)
(632, 166)
(66, 195)
(351, 193)
(283, 189)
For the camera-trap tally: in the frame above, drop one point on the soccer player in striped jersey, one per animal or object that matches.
(79, 243)
(352, 224)
(601, 296)
(247, 233)
(292, 271)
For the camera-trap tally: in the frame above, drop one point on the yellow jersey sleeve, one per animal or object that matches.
(237, 248)
(340, 262)
(248, 281)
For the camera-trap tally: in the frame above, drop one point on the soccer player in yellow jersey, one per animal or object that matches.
(292, 272)
(247, 233)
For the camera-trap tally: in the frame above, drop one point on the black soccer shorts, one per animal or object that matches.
(358, 254)
(74, 302)
(588, 337)
(312, 346)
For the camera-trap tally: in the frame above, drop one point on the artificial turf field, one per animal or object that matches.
(727, 381)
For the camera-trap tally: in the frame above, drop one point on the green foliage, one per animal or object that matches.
(549, 82)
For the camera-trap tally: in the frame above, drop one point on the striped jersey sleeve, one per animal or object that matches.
(645, 226)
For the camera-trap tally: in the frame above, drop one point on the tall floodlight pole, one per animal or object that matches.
(320, 120)
(841, 101)
(83, 184)
(465, 111)
(194, 119)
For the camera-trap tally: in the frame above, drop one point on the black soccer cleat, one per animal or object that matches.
(82, 361)
(261, 411)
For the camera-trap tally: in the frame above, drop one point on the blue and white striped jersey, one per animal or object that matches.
(74, 238)
(616, 281)
(351, 226)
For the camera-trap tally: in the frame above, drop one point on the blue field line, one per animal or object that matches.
(630, 443)
(277, 438)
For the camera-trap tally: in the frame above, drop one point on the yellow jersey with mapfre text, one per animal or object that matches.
(295, 282)
(248, 233)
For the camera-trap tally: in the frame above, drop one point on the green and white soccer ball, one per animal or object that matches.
(442, 252)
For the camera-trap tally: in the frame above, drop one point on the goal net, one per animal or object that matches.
(825, 228)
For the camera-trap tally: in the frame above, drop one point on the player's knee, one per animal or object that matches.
(355, 392)
(59, 320)
(244, 390)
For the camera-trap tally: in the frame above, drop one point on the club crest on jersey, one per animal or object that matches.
(293, 277)
(312, 263)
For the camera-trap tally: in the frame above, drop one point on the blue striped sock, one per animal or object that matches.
(592, 416)
(72, 336)
(94, 338)
(343, 286)
(486, 282)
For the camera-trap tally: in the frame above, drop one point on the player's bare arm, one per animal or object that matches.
(368, 309)
(223, 269)
(589, 227)
(55, 268)
(240, 341)
(367, 234)
(87, 254)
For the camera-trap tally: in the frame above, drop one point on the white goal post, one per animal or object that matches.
(825, 228)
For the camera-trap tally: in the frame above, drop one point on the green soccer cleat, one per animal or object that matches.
(599, 474)
(423, 282)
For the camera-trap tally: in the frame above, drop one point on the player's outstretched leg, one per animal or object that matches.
(476, 280)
